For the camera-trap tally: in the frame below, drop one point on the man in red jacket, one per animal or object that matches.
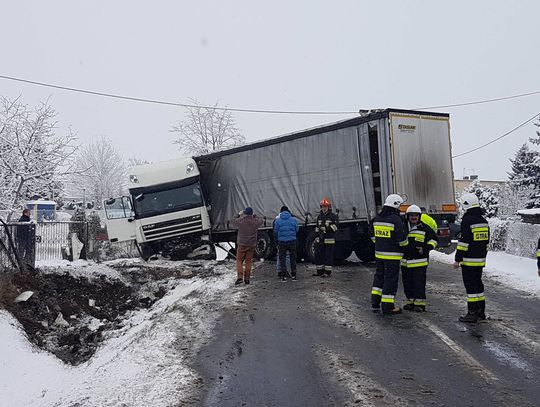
(247, 224)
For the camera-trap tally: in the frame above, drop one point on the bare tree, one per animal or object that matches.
(207, 129)
(33, 158)
(101, 171)
(134, 161)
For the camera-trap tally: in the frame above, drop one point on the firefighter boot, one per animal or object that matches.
(472, 313)
(409, 306)
(481, 310)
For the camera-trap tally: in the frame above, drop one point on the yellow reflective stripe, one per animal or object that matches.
(463, 248)
(538, 253)
(413, 265)
(480, 225)
(433, 243)
(420, 302)
(333, 227)
(329, 241)
(404, 243)
(409, 301)
(473, 262)
(480, 229)
(387, 298)
(376, 291)
(387, 225)
(388, 255)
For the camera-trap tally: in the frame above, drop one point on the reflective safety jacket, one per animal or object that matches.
(422, 239)
(472, 245)
(388, 233)
(326, 227)
(538, 254)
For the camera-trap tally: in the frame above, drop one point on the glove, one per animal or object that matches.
(317, 240)
(240, 213)
(322, 229)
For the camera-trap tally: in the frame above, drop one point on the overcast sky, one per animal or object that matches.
(285, 55)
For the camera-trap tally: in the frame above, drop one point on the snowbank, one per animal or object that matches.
(143, 363)
(512, 271)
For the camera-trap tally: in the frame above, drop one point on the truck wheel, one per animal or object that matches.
(365, 251)
(206, 251)
(265, 248)
(309, 247)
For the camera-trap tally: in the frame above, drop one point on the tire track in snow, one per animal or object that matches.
(355, 380)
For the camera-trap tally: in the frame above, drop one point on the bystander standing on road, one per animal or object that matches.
(247, 224)
(288, 257)
(285, 228)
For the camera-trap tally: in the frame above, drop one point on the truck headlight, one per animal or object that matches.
(190, 168)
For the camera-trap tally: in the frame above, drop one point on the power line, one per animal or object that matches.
(478, 102)
(500, 137)
(162, 102)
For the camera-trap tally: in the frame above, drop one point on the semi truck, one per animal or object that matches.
(183, 207)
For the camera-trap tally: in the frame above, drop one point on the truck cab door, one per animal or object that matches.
(119, 218)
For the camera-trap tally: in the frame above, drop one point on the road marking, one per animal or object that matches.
(465, 357)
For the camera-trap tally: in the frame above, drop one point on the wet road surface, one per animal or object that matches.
(316, 342)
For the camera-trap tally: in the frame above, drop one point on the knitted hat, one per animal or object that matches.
(248, 211)
(283, 209)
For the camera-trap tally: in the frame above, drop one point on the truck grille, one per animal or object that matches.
(172, 228)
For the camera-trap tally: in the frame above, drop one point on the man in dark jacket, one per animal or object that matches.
(285, 228)
(471, 256)
(247, 224)
(24, 237)
(390, 244)
(422, 238)
(327, 225)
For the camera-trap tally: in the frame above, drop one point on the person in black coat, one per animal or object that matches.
(24, 237)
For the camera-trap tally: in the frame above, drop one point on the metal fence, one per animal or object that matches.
(41, 241)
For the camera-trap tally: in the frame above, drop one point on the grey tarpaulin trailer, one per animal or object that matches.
(355, 163)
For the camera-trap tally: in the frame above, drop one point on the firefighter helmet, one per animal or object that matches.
(469, 201)
(393, 201)
(414, 209)
(326, 202)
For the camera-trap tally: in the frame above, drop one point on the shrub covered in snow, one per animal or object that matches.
(522, 239)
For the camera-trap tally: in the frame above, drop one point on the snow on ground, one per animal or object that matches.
(144, 363)
(513, 271)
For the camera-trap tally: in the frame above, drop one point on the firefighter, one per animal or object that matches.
(327, 225)
(390, 243)
(471, 256)
(414, 264)
(538, 257)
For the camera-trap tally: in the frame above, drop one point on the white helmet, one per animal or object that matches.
(414, 209)
(469, 201)
(393, 201)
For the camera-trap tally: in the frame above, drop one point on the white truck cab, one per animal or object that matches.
(165, 205)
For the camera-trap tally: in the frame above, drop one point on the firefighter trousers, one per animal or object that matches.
(385, 284)
(414, 285)
(324, 258)
(472, 279)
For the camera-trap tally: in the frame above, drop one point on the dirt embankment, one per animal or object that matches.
(69, 315)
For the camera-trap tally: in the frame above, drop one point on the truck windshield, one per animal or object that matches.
(168, 200)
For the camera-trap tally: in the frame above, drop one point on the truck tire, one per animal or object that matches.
(265, 248)
(309, 247)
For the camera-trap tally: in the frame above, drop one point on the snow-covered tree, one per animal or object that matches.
(33, 157)
(132, 162)
(487, 195)
(101, 172)
(207, 129)
(524, 177)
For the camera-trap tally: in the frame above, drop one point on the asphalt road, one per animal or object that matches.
(316, 342)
